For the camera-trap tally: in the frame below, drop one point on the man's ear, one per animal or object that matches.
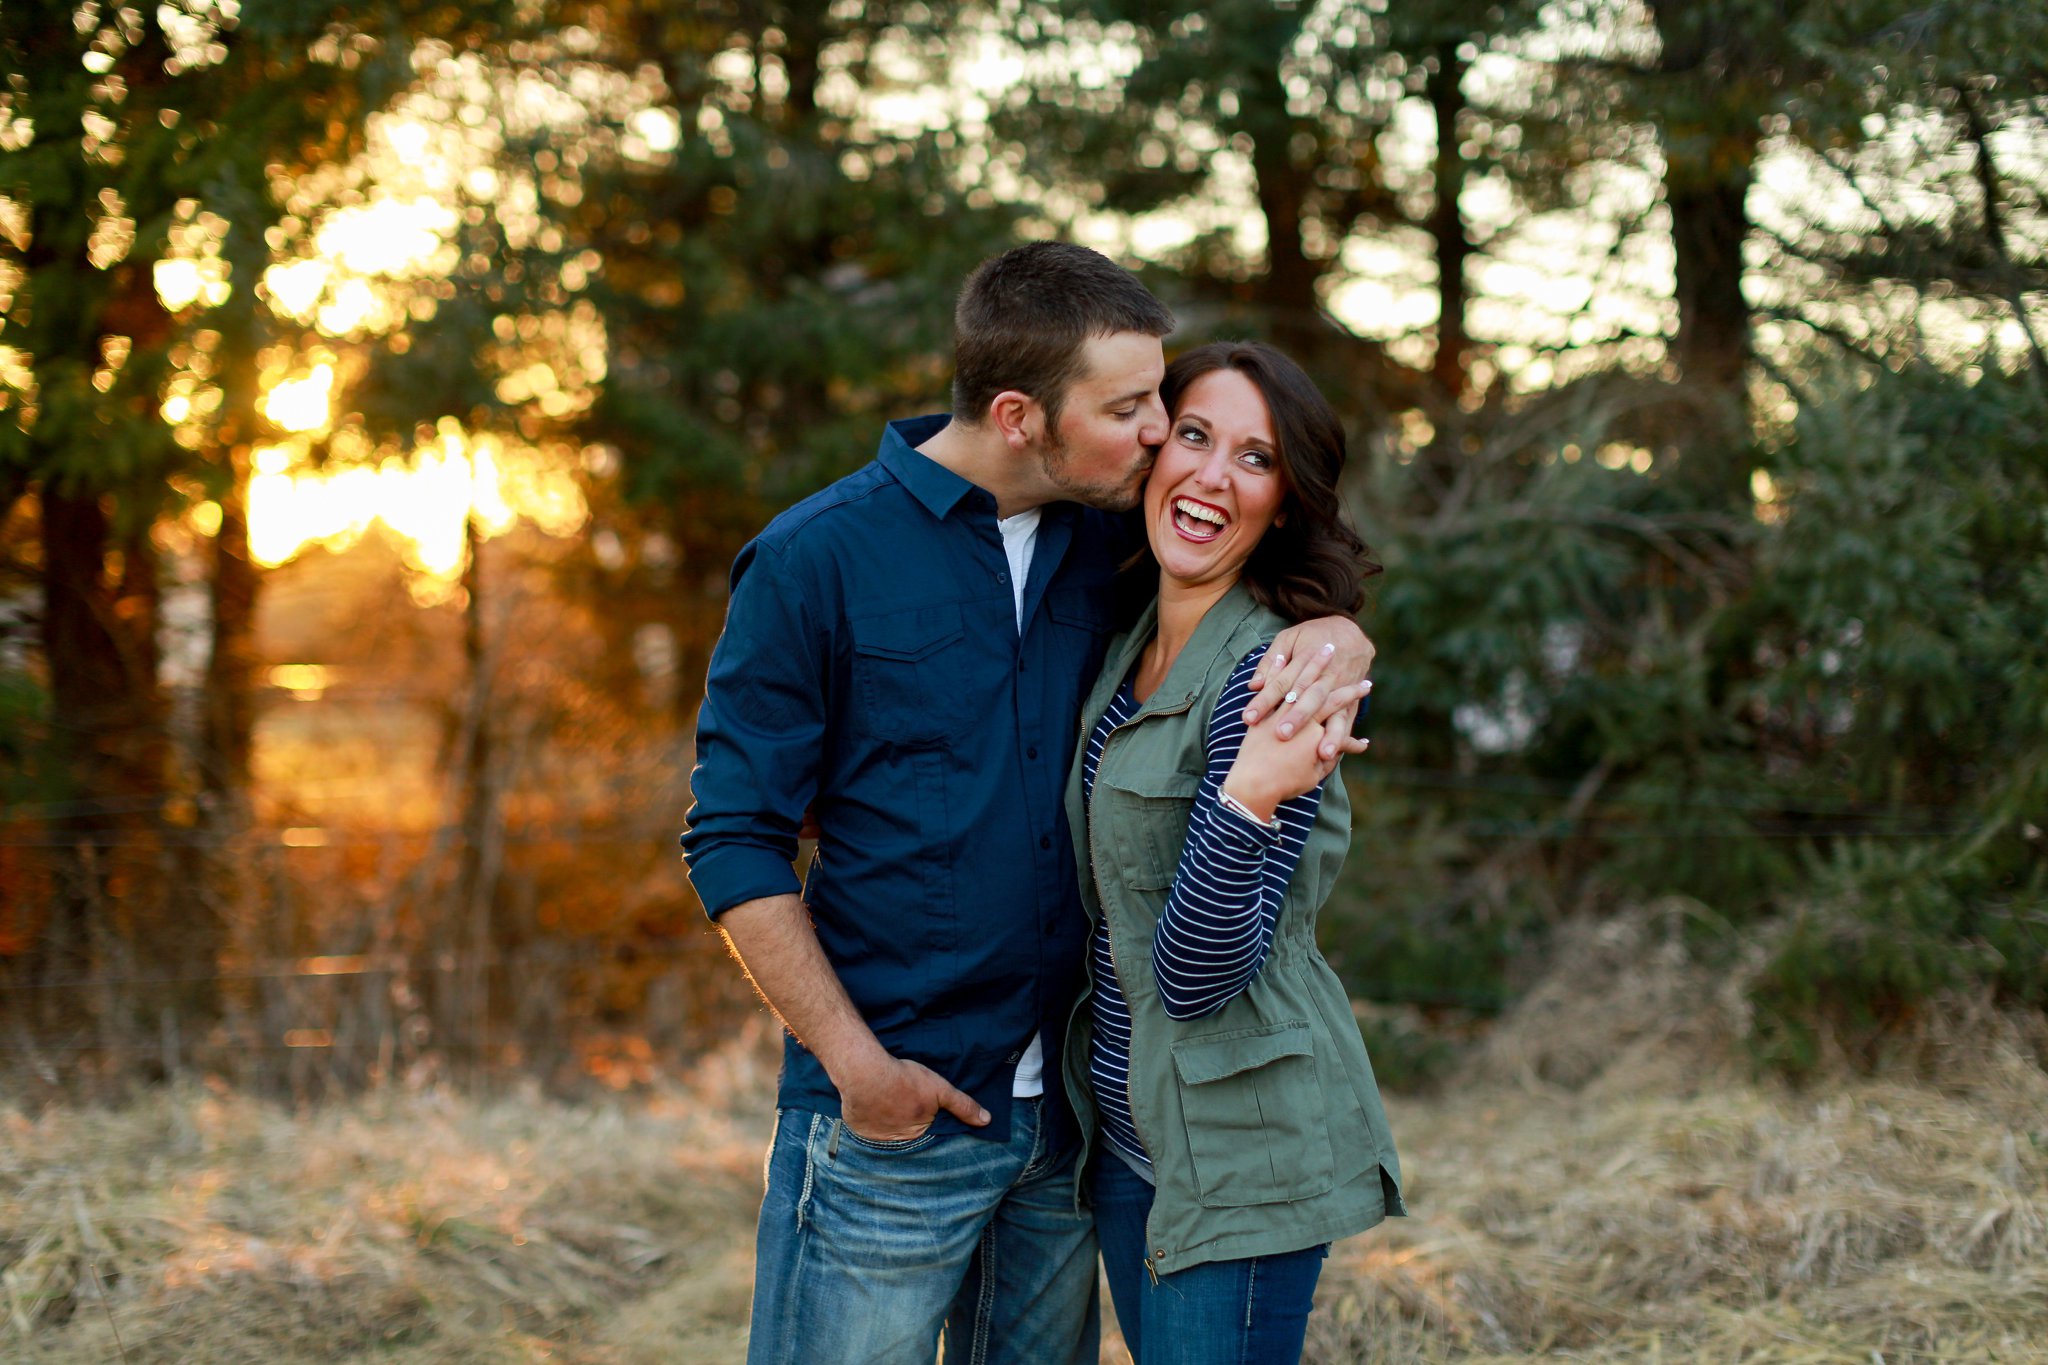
(1018, 418)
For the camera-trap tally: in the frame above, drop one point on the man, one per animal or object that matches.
(905, 653)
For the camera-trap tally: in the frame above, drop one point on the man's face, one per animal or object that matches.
(1111, 423)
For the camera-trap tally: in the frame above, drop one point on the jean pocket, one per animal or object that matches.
(1257, 1125)
(888, 1146)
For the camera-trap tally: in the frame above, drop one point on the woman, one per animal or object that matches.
(1237, 1129)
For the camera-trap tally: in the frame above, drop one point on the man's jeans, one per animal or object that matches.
(867, 1249)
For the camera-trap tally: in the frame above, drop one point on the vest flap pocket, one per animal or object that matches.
(1153, 818)
(1256, 1116)
(1154, 786)
(908, 635)
(1202, 1060)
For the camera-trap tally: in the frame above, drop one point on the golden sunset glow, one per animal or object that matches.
(388, 236)
(359, 272)
(302, 404)
(423, 501)
(182, 283)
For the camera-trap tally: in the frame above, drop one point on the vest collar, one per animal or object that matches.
(1190, 672)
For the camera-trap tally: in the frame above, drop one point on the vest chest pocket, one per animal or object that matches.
(1153, 821)
(909, 692)
(1256, 1122)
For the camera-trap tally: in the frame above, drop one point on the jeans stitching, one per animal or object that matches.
(985, 1304)
(803, 1198)
(1039, 1147)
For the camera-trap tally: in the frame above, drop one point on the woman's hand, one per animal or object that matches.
(1270, 770)
(1303, 677)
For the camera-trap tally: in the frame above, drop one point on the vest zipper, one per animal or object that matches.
(1109, 929)
(1109, 932)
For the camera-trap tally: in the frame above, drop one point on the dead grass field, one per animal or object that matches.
(1603, 1182)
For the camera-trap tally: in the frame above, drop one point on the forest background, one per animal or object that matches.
(385, 390)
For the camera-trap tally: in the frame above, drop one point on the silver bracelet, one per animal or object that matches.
(1231, 803)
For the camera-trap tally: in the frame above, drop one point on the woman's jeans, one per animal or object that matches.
(1249, 1312)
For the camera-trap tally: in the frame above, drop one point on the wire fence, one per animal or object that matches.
(439, 985)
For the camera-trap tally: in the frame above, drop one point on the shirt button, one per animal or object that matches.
(1045, 841)
(1014, 1058)
(1031, 752)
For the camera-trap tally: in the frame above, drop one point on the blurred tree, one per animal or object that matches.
(1306, 103)
(146, 164)
(1919, 155)
(777, 250)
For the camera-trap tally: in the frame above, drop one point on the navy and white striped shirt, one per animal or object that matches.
(1218, 923)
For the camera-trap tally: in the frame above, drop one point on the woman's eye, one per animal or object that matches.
(1258, 459)
(1191, 435)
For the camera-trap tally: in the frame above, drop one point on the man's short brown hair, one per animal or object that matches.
(1024, 316)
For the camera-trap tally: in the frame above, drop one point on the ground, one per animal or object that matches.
(1604, 1179)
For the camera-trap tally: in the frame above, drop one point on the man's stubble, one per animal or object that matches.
(1058, 464)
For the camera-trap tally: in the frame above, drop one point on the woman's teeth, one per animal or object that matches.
(1196, 521)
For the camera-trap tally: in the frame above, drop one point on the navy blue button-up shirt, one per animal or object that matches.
(872, 669)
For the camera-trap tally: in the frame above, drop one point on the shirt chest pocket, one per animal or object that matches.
(1151, 820)
(909, 675)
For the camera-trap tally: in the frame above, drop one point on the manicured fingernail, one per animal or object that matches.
(1367, 685)
(1286, 729)
(1329, 649)
(1365, 744)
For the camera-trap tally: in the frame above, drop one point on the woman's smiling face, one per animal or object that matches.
(1217, 485)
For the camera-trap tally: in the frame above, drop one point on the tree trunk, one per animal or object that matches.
(1709, 164)
(214, 874)
(1709, 222)
(99, 639)
(1445, 89)
(472, 928)
(228, 722)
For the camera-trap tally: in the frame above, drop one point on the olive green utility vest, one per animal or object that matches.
(1263, 1120)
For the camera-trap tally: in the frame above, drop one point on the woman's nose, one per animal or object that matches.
(1214, 471)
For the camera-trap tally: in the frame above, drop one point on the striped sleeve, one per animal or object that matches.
(1233, 875)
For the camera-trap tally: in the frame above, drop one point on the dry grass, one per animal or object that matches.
(1605, 1182)
(404, 1229)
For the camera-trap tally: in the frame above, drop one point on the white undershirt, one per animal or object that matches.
(1020, 538)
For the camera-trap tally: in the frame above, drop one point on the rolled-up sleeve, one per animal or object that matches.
(760, 736)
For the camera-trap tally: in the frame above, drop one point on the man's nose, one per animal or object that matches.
(1152, 431)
